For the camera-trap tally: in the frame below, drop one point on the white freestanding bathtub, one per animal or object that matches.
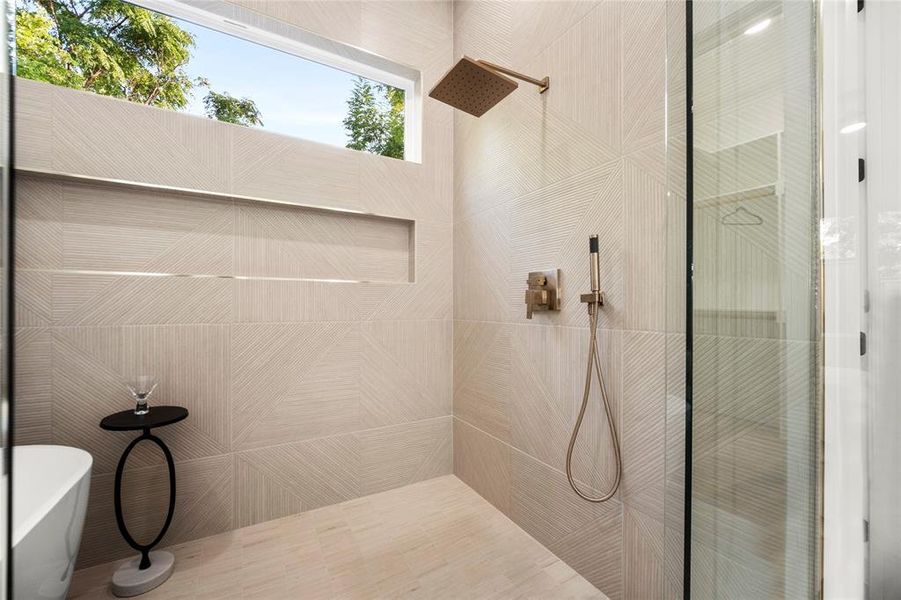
(50, 497)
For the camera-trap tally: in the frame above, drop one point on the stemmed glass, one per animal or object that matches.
(141, 387)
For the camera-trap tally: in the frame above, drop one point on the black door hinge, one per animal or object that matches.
(860, 5)
(861, 169)
(866, 530)
(863, 343)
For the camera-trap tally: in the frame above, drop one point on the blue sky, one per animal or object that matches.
(295, 96)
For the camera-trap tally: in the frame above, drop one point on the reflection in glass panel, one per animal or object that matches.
(754, 507)
(5, 349)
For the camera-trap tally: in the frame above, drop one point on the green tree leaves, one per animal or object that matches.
(375, 118)
(39, 53)
(116, 49)
(225, 107)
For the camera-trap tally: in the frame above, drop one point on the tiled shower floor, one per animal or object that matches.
(434, 539)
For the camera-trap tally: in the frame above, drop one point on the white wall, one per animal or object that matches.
(883, 149)
(844, 249)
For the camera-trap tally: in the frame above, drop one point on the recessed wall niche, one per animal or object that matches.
(96, 227)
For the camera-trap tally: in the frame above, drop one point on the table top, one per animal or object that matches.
(158, 416)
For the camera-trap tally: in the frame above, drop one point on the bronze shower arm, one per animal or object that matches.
(542, 84)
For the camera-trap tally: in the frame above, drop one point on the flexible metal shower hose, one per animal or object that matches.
(594, 362)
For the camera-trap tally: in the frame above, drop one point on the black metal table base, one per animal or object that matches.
(139, 576)
(144, 549)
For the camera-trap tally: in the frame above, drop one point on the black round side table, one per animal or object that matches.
(151, 568)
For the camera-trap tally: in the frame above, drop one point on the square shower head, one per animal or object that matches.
(472, 87)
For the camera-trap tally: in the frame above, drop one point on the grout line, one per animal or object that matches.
(617, 498)
(578, 327)
(233, 452)
(226, 323)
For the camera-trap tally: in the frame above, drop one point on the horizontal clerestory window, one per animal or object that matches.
(179, 57)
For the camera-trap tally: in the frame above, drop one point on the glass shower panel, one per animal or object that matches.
(5, 274)
(754, 300)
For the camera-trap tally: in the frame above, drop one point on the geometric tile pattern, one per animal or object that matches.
(644, 421)
(307, 394)
(643, 548)
(533, 178)
(301, 393)
(644, 74)
(434, 539)
(203, 506)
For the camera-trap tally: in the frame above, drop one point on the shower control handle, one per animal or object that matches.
(543, 292)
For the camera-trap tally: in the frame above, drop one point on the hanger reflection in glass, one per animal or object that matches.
(741, 216)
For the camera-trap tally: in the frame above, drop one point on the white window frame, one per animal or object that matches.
(278, 35)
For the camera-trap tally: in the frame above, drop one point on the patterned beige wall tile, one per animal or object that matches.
(645, 247)
(744, 380)
(642, 556)
(593, 457)
(333, 19)
(103, 300)
(403, 454)
(483, 389)
(292, 382)
(587, 536)
(584, 64)
(39, 223)
(314, 472)
(406, 371)
(484, 463)
(485, 171)
(644, 421)
(32, 425)
(106, 137)
(676, 269)
(594, 551)
(280, 241)
(32, 381)
(548, 394)
(384, 250)
(33, 125)
(550, 229)
(33, 299)
(278, 167)
(522, 146)
(537, 25)
(321, 398)
(540, 412)
(114, 228)
(674, 500)
(90, 367)
(203, 507)
(430, 296)
(32, 391)
(259, 497)
(482, 261)
(428, 28)
(293, 301)
(484, 30)
(437, 155)
(533, 178)
(644, 81)
(398, 187)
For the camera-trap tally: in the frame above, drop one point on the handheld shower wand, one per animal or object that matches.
(595, 300)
